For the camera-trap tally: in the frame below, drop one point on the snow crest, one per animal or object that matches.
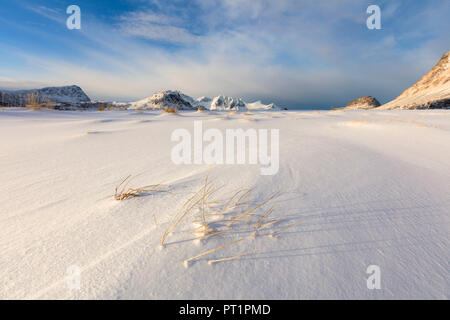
(228, 103)
(164, 100)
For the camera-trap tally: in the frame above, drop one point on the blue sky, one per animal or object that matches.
(301, 53)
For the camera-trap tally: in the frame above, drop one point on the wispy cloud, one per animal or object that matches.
(46, 12)
(153, 26)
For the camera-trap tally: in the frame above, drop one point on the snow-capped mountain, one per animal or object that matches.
(364, 103)
(228, 103)
(204, 102)
(176, 99)
(164, 100)
(66, 94)
(431, 91)
(258, 105)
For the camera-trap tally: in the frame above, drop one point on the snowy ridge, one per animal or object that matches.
(204, 102)
(228, 103)
(258, 105)
(65, 94)
(164, 100)
(176, 99)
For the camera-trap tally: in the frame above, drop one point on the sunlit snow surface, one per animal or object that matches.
(363, 187)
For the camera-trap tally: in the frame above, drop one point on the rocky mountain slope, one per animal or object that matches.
(366, 102)
(228, 103)
(73, 97)
(164, 100)
(430, 92)
(204, 102)
(54, 95)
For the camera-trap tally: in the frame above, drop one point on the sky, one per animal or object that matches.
(295, 53)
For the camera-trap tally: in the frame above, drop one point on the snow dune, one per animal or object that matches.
(362, 188)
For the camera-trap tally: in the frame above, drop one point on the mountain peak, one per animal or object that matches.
(227, 103)
(431, 91)
(165, 99)
(64, 94)
(366, 102)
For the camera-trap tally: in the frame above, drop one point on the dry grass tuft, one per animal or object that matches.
(261, 220)
(210, 251)
(171, 110)
(277, 233)
(189, 205)
(211, 218)
(204, 228)
(212, 234)
(123, 193)
(232, 258)
(229, 114)
(246, 213)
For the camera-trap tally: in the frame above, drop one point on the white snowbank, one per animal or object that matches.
(375, 193)
(258, 105)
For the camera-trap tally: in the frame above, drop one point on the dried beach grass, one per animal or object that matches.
(261, 220)
(210, 251)
(277, 233)
(232, 258)
(250, 211)
(171, 110)
(189, 204)
(124, 193)
(209, 218)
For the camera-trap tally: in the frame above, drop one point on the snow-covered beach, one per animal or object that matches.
(357, 188)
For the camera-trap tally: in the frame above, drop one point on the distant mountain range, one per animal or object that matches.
(176, 99)
(430, 92)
